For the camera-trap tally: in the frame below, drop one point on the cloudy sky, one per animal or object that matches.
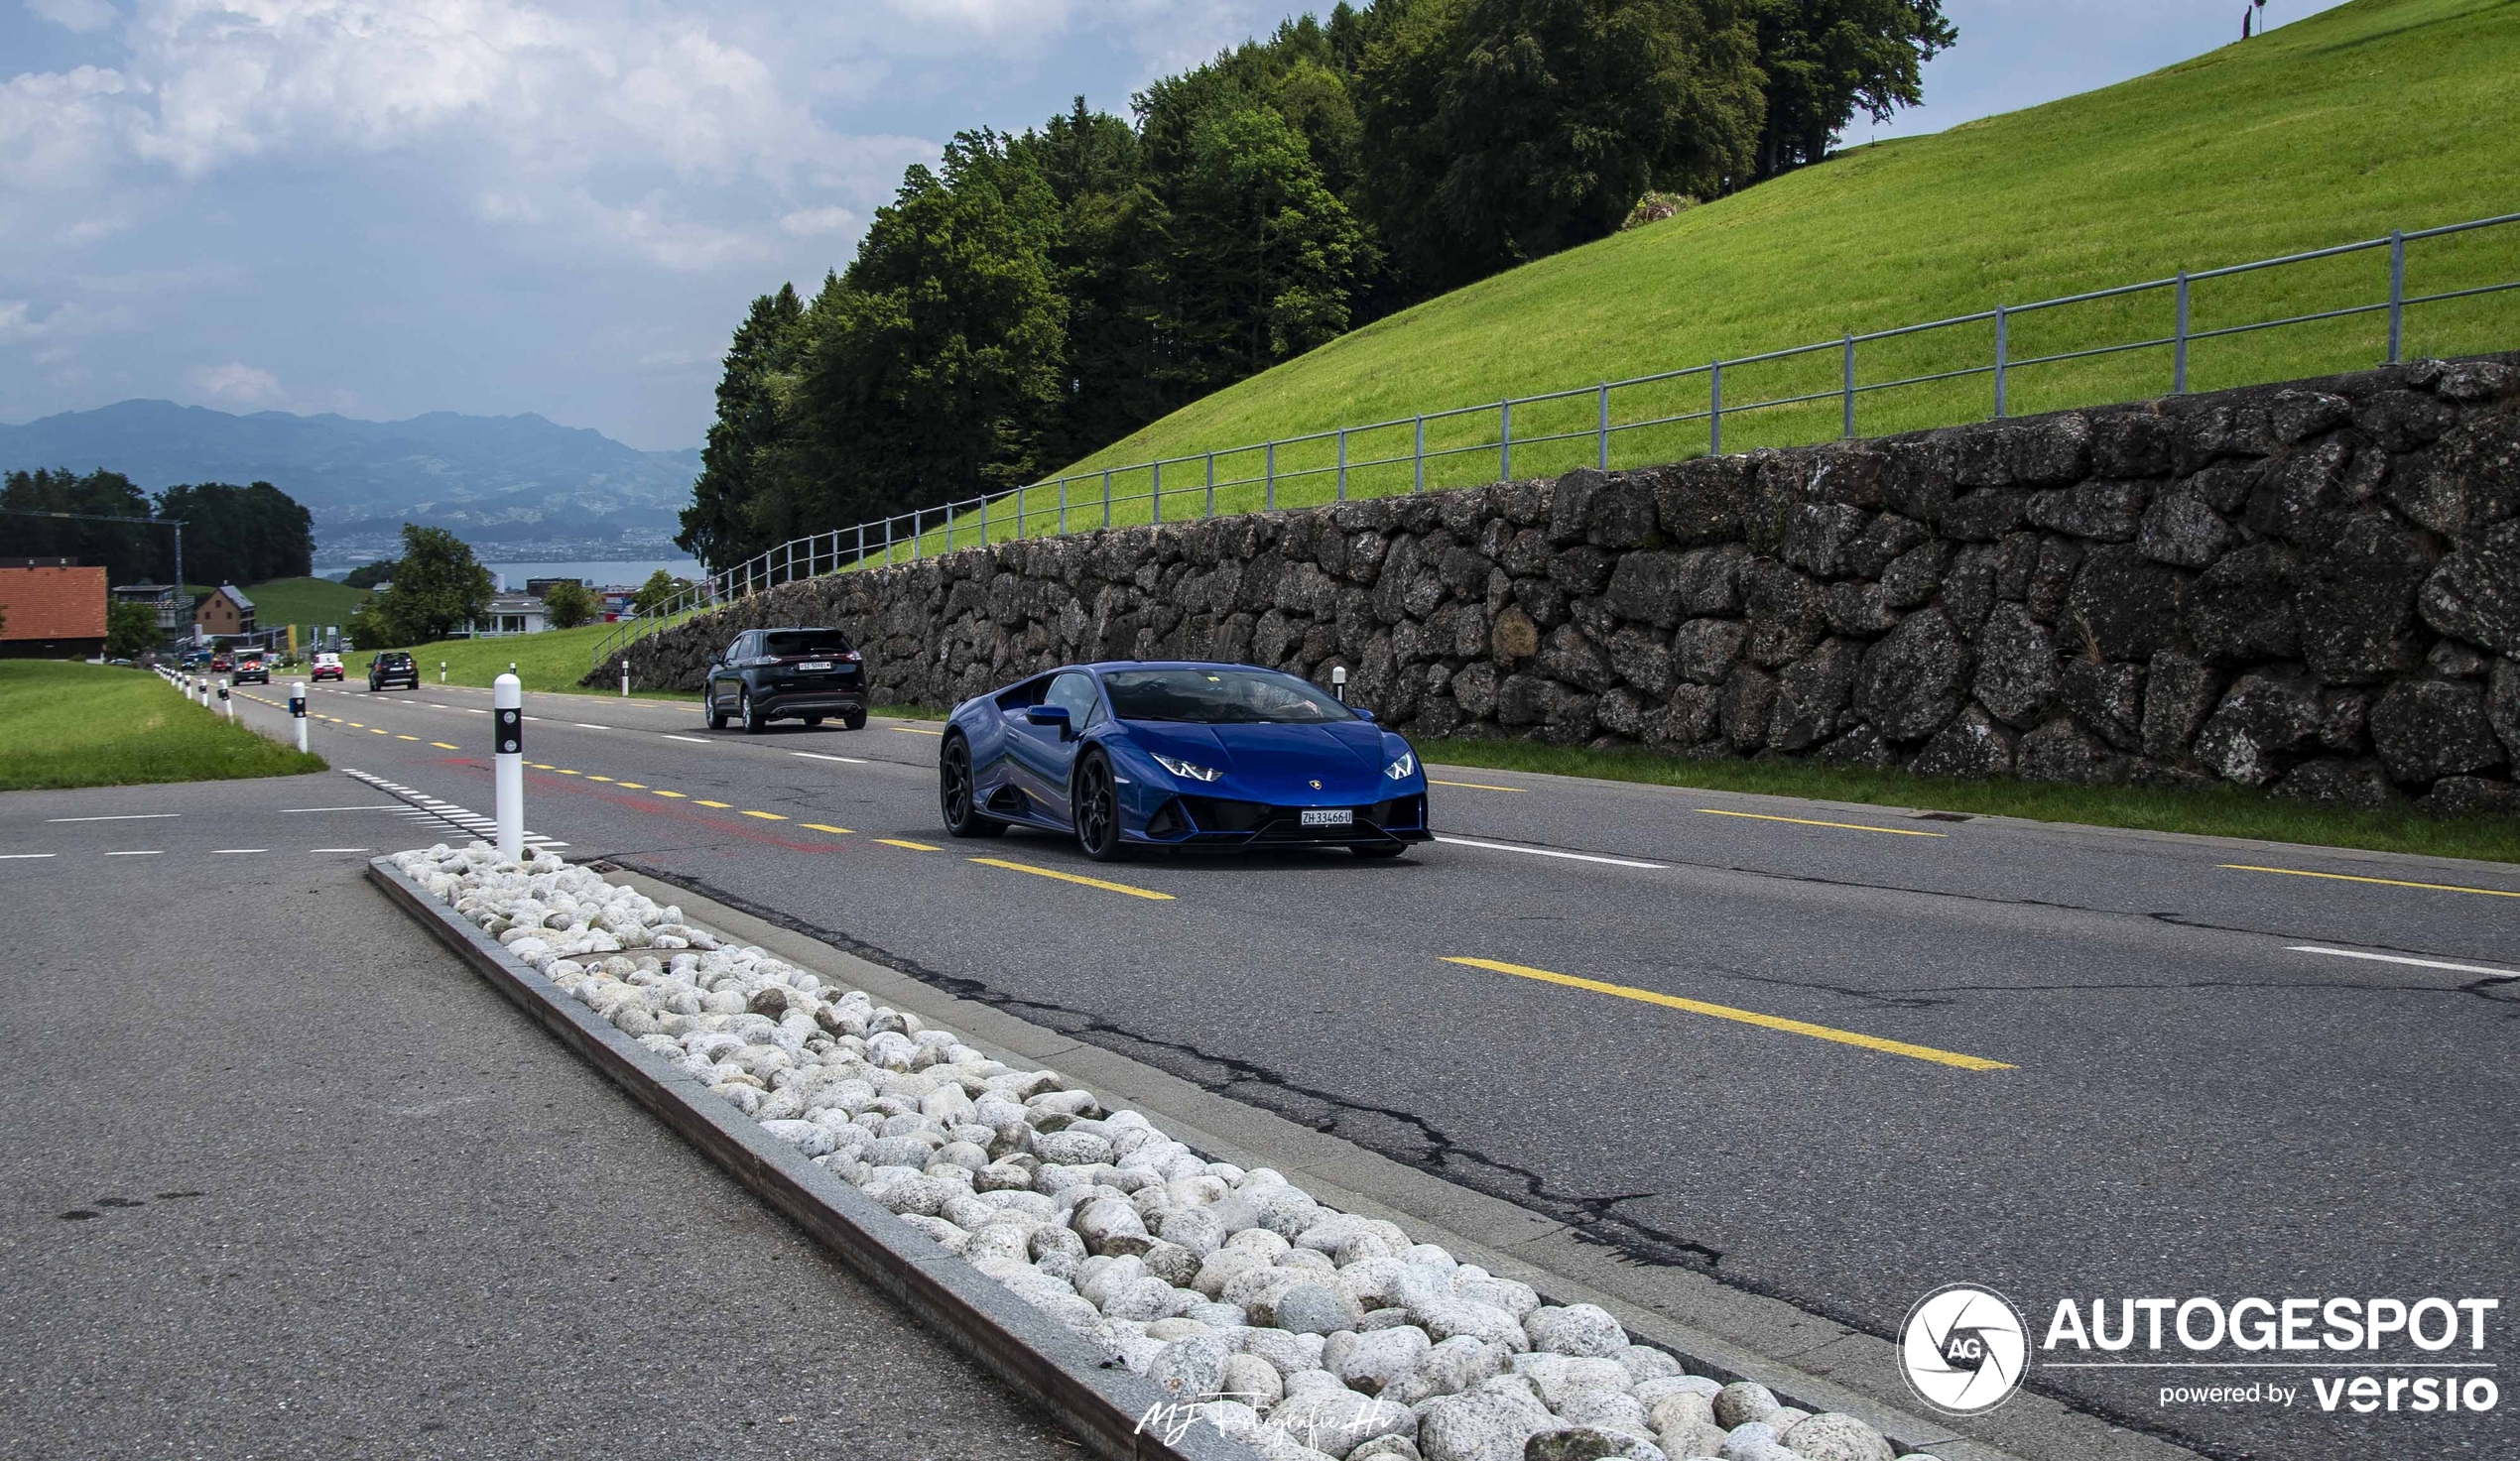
(382, 207)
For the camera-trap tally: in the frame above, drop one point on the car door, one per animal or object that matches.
(1042, 755)
(728, 679)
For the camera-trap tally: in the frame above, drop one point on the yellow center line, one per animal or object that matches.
(1758, 816)
(376, 730)
(767, 816)
(918, 730)
(1019, 866)
(406, 738)
(564, 771)
(442, 746)
(2242, 867)
(720, 806)
(632, 785)
(913, 846)
(677, 795)
(824, 828)
(590, 776)
(1475, 786)
(1746, 1017)
(354, 724)
(540, 764)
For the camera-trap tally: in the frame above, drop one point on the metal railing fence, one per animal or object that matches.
(1688, 406)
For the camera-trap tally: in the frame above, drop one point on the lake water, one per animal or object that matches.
(512, 577)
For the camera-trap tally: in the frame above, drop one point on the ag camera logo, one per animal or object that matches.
(1964, 1349)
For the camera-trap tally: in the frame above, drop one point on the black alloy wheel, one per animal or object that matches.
(716, 713)
(754, 721)
(1097, 808)
(956, 793)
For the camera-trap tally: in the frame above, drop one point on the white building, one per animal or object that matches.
(511, 613)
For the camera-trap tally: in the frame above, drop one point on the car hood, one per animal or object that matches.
(1276, 762)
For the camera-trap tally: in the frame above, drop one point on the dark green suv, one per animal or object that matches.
(770, 674)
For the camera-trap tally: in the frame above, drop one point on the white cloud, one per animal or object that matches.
(814, 223)
(75, 15)
(237, 384)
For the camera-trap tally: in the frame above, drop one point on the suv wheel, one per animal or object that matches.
(754, 721)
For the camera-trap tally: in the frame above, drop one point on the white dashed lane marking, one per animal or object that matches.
(1616, 862)
(128, 816)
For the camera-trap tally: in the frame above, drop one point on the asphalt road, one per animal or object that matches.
(2060, 1063)
(284, 1179)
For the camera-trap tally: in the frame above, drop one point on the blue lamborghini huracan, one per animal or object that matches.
(1157, 754)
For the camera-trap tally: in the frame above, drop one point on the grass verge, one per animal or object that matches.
(68, 725)
(2232, 811)
(550, 662)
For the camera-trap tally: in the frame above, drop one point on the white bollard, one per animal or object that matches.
(625, 677)
(297, 711)
(225, 704)
(507, 718)
(1339, 682)
(442, 671)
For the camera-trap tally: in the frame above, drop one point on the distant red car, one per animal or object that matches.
(221, 660)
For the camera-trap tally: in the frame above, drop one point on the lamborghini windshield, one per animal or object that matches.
(1220, 697)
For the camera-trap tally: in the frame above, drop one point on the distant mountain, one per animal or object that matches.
(513, 486)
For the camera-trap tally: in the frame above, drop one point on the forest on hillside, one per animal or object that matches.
(231, 534)
(1033, 298)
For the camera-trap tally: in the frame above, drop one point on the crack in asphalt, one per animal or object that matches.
(1429, 1147)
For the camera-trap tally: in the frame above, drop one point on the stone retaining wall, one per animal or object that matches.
(2312, 587)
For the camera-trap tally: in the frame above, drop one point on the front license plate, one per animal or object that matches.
(1329, 816)
(816, 665)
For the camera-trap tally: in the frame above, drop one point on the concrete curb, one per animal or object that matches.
(1810, 1362)
(1014, 1342)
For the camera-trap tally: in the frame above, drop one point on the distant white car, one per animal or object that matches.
(327, 666)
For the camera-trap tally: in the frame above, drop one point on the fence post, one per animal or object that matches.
(1063, 507)
(914, 534)
(2179, 342)
(1211, 484)
(1505, 439)
(1714, 408)
(1155, 498)
(1270, 469)
(888, 543)
(1418, 458)
(2397, 294)
(1850, 385)
(1602, 455)
(1019, 512)
(2000, 346)
(1342, 463)
(1106, 497)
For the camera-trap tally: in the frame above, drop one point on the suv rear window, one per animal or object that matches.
(394, 661)
(786, 642)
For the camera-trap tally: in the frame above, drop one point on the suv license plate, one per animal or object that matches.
(816, 665)
(1329, 816)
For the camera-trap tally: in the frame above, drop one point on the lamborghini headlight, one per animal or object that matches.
(1401, 769)
(1189, 771)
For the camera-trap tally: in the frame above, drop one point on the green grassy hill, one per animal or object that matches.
(303, 601)
(2375, 115)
